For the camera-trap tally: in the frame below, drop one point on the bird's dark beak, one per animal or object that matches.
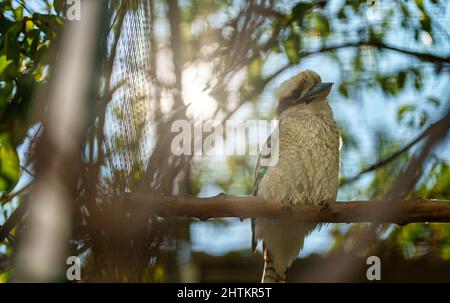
(319, 92)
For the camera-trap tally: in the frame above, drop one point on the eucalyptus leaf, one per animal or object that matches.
(9, 165)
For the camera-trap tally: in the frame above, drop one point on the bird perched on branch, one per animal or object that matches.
(306, 172)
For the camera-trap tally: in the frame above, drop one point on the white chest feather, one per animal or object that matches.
(308, 166)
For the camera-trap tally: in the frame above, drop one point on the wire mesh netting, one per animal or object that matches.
(128, 127)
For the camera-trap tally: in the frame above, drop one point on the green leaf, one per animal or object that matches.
(18, 13)
(417, 80)
(42, 50)
(9, 165)
(254, 68)
(341, 14)
(292, 48)
(321, 24)
(5, 25)
(49, 24)
(343, 90)
(10, 64)
(433, 100)
(32, 43)
(402, 110)
(29, 25)
(401, 80)
(5, 93)
(299, 11)
(423, 119)
(4, 64)
(426, 23)
(59, 6)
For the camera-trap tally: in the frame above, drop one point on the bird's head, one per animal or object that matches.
(305, 88)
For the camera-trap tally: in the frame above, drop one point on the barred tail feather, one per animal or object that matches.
(270, 274)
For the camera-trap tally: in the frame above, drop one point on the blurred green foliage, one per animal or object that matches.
(292, 32)
(24, 42)
(9, 165)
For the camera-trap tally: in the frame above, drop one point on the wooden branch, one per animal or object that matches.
(12, 221)
(401, 212)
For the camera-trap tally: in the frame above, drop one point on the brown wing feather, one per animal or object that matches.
(260, 171)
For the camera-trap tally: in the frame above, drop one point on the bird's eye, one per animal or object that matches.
(295, 95)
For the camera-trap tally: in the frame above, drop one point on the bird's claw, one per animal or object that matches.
(287, 206)
(287, 209)
(324, 205)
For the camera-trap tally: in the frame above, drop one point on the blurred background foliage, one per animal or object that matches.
(224, 59)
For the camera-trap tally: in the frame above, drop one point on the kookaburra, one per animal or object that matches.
(306, 172)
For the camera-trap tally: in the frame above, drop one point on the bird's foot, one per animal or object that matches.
(287, 209)
(325, 204)
(287, 206)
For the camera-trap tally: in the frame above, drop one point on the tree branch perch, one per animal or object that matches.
(402, 212)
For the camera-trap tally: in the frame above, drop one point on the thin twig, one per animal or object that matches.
(389, 159)
(8, 197)
(12, 221)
